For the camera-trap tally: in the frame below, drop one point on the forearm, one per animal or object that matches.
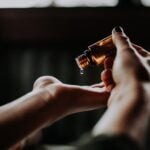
(25, 115)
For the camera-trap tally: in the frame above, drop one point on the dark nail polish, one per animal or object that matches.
(118, 29)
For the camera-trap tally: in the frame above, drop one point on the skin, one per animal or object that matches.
(127, 77)
(49, 101)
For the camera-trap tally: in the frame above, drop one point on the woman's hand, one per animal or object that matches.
(49, 101)
(131, 66)
(70, 99)
(128, 78)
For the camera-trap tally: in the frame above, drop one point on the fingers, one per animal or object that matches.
(141, 51)
(108, 63)
(106, 77)
(123, 45)
(126, 62)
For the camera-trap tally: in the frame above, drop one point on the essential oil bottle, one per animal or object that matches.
(96, 53)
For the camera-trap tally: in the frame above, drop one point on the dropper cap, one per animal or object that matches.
(82, 61)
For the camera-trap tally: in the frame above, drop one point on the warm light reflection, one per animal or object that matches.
(145, 2)
(56, 3)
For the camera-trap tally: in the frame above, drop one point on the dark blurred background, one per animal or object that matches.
(44, 38)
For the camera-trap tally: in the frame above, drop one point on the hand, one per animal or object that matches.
(70, 99)
(49, 101)
(61, 100)
(128, 79)
(132, 65)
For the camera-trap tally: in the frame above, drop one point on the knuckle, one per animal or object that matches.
(121, 37)
(127, 50)
(123, 41)
(124, 37)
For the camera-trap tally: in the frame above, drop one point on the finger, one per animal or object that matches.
(106, 77)
(110, 87)
(99, 85)
(121, 40)
(108, 63)
(141, 51)
(126, 61)
(108, 80)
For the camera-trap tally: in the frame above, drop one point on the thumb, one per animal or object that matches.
(121, 41)
(125, 63)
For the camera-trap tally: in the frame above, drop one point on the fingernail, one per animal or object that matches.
(118, 29)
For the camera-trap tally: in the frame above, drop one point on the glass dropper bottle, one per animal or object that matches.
(96, 53)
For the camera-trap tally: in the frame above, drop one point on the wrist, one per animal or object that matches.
(110, 124)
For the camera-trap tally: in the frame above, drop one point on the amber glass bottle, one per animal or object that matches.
(96, 53)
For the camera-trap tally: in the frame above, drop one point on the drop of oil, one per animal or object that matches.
(81, 71)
